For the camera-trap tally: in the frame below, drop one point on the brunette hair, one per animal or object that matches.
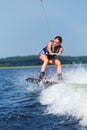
(59, 38)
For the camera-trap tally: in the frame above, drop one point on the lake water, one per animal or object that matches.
(27, 106)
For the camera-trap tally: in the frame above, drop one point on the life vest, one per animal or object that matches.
(54, 50)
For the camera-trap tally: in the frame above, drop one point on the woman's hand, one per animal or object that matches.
(60, 51)
(51, 53)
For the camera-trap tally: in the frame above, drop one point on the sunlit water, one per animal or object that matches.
(27, 106)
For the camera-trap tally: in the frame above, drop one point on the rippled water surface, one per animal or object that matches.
(27, 106)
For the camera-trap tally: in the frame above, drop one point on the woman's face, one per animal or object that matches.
(56, 42)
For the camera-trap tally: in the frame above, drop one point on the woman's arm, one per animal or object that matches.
(50, 48)
(61, 51)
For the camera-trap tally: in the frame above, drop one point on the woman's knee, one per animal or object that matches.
(46, 61)
(58, 62)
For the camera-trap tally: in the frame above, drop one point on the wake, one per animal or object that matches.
(68, 98)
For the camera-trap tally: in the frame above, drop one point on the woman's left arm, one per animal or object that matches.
(61, 51)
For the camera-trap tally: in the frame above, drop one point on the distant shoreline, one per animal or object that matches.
(36, 66)
(4, 67)
(34, 61)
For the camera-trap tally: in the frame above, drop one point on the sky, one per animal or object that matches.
(26, 26)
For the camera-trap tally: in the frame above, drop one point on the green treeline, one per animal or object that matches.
(32, 60)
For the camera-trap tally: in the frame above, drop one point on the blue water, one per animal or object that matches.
(27, 106)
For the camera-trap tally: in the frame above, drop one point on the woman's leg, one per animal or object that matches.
(57, 63)
(59, 67)
(44, 65)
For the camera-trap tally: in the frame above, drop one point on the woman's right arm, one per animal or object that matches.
(49, 48)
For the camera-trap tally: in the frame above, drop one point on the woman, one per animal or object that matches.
(47, 55)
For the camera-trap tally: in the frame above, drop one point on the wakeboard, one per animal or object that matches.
(47, 82)
(39, 81)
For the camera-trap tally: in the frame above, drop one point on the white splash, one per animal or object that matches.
(68, 98)
(78, 74)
